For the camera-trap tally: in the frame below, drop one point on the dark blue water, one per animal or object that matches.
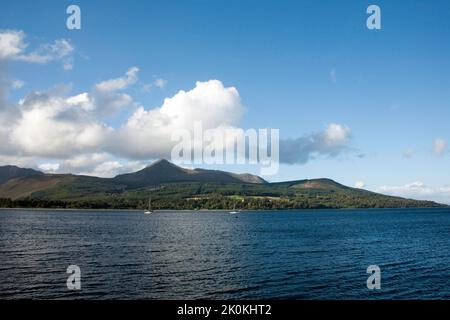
(320, 254)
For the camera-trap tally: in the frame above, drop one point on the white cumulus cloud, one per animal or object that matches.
(14, 48)
(11, 44)
(95, 164)
(49, 126)
(104, 99)
(330, 142)
(65, 132)
(418, 190)
(360, 184)
(49, 167)
(147, 133)
(120, 83)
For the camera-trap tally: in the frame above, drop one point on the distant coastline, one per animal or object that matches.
(219, 210)
(175, 188)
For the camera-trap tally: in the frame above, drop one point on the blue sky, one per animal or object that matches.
(297, 65)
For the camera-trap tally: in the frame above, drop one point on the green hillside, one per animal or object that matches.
(172, 187)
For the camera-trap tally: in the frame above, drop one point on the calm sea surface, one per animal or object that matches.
(319, 254)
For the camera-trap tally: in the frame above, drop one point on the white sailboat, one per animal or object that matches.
(234, 210)
(149, 211)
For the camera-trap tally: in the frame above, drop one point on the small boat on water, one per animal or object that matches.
(234, 210)
(149, 211)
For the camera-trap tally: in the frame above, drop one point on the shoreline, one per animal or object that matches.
(221, 210)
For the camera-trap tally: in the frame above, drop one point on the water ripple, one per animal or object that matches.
(186, 255)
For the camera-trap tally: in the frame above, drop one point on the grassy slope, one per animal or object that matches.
(319, 193)
(26, 186)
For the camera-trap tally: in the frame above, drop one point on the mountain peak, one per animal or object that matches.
(162, 165)
(164, 171)
(12, 172)
(162, 162)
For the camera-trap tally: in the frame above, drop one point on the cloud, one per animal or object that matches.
(95, 164)
(160, 83)
(105, 104)
(14, 48)
(50, 126)
(120, 83)
(440, 147)
(65, 132)
(110, 169)
(17, 84)
(82, 163)
(330, 142)
(18, 160)
(209, 102)
(57, 50)
(104, 100)
(83, 100)
(8, 114)
(11, 44)
(360, 184)
(418, 190)
(49, 167)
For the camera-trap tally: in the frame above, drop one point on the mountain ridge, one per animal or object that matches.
(174, 187)
(164, 171)
(9, 172)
